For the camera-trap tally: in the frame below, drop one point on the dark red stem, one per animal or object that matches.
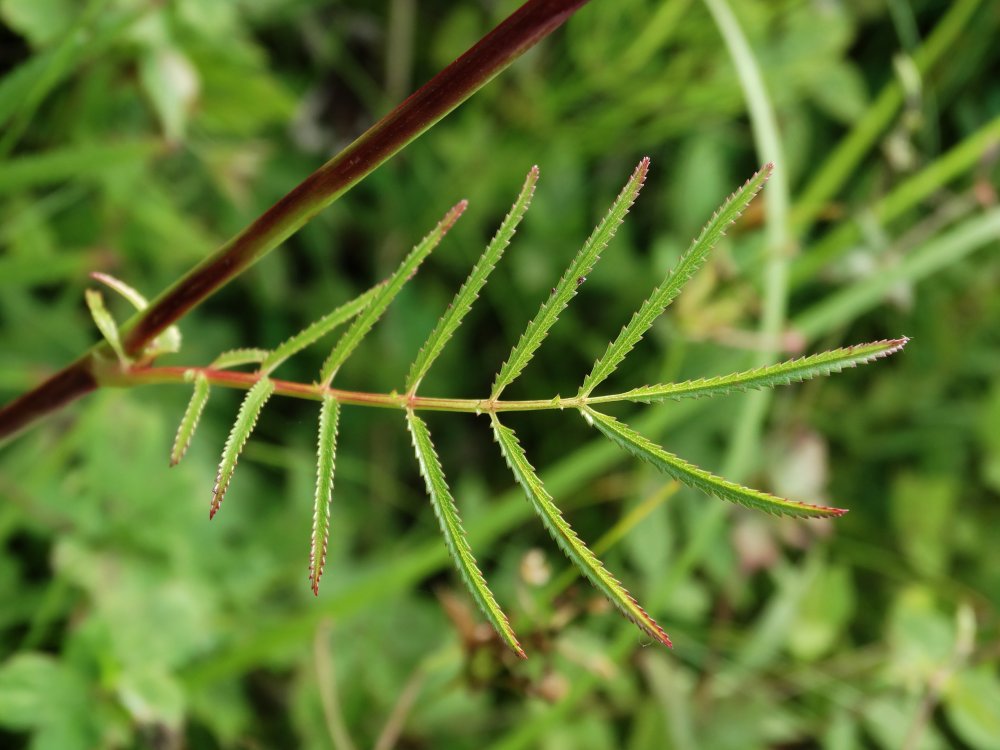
(533, 21)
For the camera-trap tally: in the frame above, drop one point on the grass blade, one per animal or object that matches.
(246, 420)
(469, 292)
(192, 415)
(783, 373)
(560, 530)
(582, 264)
(326, 454)
(693, 476)
(105, 323)
(237, 357)
(671, 286)
(315, 331)
(454, 534)
(385, 294)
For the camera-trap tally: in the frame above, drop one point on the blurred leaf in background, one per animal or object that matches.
(136, 136)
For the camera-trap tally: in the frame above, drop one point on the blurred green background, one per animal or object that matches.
(137, 135)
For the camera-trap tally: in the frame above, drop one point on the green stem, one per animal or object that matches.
(840, 165)
(767, 140)
(905, 196)
(115, 377)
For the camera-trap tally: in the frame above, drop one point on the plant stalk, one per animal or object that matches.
(528, 25)
(115, 377)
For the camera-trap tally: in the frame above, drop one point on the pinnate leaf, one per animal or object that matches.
(574, 548)
(469, 292)
(696, 477)
(191, 418)
(671, 286)
(326, 454)
(246, 420)
(782, 373)
(385, 294)
(565, 290)
(454, 534)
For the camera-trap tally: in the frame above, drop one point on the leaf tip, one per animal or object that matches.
(452, 216)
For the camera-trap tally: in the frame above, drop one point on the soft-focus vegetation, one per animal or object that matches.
(136, 136)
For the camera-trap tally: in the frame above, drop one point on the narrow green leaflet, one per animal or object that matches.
(578, 553)
(139, 302)
(454, 534)
(469, 292)
(167, 342)
(565, 290)
(671, 286)
(237, 357)
(698, 478)
(105, 323)
(246, 420)
(326, 453)
(192, 415)
(783, 373)
(315, 331)
(386, 293)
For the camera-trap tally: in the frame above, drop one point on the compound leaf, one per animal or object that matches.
(385, 294)
(469, 292)
(565, 290)
(192, 415)
(783, 373)
(246, 420)
(326, 453)
(454, 534)
(671, 286)
(578, 553)
(698, 478)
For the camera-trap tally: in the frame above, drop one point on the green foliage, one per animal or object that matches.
(769, 376)
(385, 294)
(326, 455)
(369, 307)
(192, 415)
(664, 294)
(469, 292)
(246, 420)
(454, 535)
(154, 628)
(571, 279)
(577, 552)
(708, 483)
(105, 324)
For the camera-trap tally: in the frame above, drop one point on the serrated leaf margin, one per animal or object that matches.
(661, 297)
(451, 527)
(191, 418)
(326, 458)
(571, 279)
(567, 540)
(246, 420)
(698, 478)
